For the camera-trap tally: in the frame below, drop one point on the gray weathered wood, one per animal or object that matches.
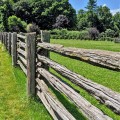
(2, 37)
(104, 94)
(90, 111)
(51, 103)
(22, 59)
(31, 56)
(103, 58)
(9, 43)
(14, 48)
(21, 51)
(5, 42)
(22, 44)
(45, 37)
(21, 36)
(22, 67)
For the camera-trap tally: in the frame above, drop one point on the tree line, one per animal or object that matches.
(15, 15)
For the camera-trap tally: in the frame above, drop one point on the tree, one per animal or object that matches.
(105, 17)
(23, 10)
(44, 12)
(91, 11)
(93, 33)
(116, 19)
(5, 11)
(61, 22)
(33, 28)
(15, 24)
(82, 20)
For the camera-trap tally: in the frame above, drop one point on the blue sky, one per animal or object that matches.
(114, 5)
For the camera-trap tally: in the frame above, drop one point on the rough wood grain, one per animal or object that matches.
(21, 36)
(22, 59)
(31, 57)
(104, 94)
(103, 58)
(22, 67)
(9, 43)
(55, 108)
(21, 51)
(14, 49)
(90, 111)
(22, 44)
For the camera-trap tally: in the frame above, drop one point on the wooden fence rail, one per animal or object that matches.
(32, 55)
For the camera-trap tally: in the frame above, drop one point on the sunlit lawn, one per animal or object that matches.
(14, 104)
(99, 75)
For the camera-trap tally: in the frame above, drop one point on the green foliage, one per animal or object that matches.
(107, 35)
(22, 9)
(110, 33)
(33, 28)
(66, 34)
(5, 11)
(16, 24)
(105, 17)
(44, 12)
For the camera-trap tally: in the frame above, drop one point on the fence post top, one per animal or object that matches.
(31, 33)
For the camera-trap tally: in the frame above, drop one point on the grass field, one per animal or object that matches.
(14, 104)
(108, 78)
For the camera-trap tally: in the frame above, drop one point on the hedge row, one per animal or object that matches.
(65, 34)
(81, 35)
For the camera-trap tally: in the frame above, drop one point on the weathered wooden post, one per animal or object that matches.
(2, 37)
(9, 43)
(14, 48)
(45, 37)
(5, 40)
(31, 57)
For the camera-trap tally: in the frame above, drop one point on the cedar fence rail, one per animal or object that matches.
(31, 54)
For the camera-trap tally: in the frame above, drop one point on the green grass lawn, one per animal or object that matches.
(108, 78)
(89, 44)
(14, 104)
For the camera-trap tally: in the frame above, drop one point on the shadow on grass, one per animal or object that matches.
(67, 103)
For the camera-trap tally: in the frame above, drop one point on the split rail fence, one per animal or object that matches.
(32, 55)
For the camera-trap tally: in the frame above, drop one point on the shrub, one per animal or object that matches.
(110, 33)
(33, 28)
(15, 24)
(65, 34)
(106, 39)
(61, 22)
(2, 27)
(117, 40)
(93, 33)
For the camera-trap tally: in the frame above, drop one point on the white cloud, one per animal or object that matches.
(104, 5)
(114, 11)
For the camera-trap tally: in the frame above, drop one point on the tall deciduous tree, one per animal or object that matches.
(44, 12)
(61, 22)
(91, 11)
(82, 20)
(105, 17)
(5, 11)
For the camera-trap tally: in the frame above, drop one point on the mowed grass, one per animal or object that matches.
(89, 44)
(106, 77)
(14, 104)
